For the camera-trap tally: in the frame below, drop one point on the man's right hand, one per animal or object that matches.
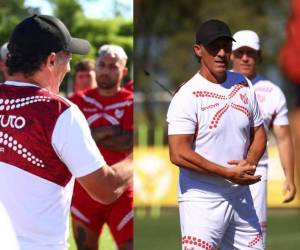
(242, 173)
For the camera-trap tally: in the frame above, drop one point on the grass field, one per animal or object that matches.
(163, 233)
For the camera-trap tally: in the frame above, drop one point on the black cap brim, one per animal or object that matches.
(217, 36)
(79, 46)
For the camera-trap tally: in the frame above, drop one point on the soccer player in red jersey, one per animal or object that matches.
(108, 109)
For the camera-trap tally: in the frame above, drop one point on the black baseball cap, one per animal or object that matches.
(211, 30)
(43, 34)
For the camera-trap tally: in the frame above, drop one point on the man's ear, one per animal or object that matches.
(51, 59)
(198, 50)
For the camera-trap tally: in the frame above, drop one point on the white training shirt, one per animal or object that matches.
(272, 104)
(37, 207)
(8, 238)
(220, 116)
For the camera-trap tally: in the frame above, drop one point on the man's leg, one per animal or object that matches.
(85, 238)
(203, 223)
(120, 221)
(87, 219)
(243, 232)
(126, 245)
(259, 195)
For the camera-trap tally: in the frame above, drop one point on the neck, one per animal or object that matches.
(214, 78)
(251, 77)
(36, 79)
(109, 92)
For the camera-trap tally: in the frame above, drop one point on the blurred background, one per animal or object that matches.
(163, 39)
(98, 21)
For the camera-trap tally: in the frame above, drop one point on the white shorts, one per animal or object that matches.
(223, 225)
(259, 195)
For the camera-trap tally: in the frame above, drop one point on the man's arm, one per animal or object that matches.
(182, 154)
(257, 146)
(104, 132)
(109, 182)
(256, 149)
(113, 138)
(285, 147)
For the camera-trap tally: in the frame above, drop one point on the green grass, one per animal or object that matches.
(106, 241)
(163, 233)
(283, 230)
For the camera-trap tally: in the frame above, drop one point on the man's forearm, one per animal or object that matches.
(123, 175)
(121, 143)
(257, 146)
(105, 132)
(186, 157)
(182, 154)
(286, 151)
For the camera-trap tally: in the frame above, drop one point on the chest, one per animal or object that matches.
(223, 109)
(99, 113)
(267, 104)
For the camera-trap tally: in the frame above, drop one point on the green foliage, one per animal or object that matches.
(97, 31)
(11, 13)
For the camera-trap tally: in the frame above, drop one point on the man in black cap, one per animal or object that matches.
(216, 137)
(45, 140)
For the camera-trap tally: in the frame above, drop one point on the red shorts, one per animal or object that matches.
(118, 215)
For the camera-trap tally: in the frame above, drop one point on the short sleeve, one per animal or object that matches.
(281, 112)
(182, 114)
(73, 143)
(255, 111)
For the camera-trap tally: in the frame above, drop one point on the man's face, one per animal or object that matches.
(109, 72)
(215, 56)
(84, 79)
(244, 61)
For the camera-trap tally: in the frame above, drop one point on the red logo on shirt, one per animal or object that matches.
(218, 115)
(244, 98)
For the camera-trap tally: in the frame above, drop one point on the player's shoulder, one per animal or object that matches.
(234, 78)
(56, 99)
(265, 85)
(86, 92)
(125, 94)
(82, 94)
(187, 87)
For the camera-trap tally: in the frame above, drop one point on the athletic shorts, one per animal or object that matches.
(118, 215)
(220, 225)
(259, 195)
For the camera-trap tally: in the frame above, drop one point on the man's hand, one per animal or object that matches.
(289, 191)
(242, 172)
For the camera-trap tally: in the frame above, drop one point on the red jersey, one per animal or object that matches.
(129, 86)
(103, 111)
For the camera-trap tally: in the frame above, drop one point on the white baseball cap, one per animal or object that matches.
(245, 38)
